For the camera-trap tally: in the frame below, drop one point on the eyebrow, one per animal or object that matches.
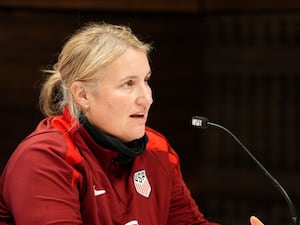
(135, 76)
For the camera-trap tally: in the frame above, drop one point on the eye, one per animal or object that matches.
(128, 84)
(147, 80)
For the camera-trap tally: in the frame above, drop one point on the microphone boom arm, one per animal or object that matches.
(202, 122)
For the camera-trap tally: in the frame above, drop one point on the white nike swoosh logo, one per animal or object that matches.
(98, 192)
(133, 222)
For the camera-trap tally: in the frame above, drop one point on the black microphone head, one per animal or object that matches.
(200, 122)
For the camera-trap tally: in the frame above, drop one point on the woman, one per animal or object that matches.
(92, 160)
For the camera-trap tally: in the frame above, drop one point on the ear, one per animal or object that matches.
(80, 94)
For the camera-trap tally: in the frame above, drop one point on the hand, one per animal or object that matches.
(255, 221)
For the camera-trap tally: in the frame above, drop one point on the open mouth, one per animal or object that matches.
(137, 116)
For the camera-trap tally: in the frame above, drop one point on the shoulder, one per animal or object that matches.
(46, 151)
(159, 143)
(50, 139)
(156, 140)
(45, 136)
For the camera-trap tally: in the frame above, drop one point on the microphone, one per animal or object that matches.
(202, 122)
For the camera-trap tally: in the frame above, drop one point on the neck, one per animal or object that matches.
(127, 151)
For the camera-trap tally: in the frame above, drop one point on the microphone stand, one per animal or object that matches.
(202, 122)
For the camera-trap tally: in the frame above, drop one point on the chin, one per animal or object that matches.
(133, 134)
(136, 136)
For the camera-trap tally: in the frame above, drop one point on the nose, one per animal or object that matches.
(144, 97)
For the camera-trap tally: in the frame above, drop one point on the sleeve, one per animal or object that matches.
(183, 208)
(38, 186)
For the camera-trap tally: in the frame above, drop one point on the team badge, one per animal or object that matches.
(141, 183)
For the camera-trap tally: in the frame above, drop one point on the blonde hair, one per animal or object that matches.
(83, 58)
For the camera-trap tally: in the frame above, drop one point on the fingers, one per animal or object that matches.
(255, 221)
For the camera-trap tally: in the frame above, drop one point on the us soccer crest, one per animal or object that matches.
(141, 183)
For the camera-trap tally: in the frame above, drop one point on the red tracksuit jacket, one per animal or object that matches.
(59, 175)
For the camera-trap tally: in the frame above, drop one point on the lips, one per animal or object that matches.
(138, 115)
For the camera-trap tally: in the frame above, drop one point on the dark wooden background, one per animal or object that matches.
(235, 62)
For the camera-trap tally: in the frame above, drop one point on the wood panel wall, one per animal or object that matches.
(238, 69)
(115, 5)
(191, 6)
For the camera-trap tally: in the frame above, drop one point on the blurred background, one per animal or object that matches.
(235, 62)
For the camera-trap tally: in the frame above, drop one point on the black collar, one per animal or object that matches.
(127, 151)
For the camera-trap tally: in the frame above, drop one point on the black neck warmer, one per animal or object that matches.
(127, 151)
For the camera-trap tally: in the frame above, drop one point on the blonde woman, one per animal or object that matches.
(93, 160)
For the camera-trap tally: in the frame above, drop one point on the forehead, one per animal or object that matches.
(132, 63)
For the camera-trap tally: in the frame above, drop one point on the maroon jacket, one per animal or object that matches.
(59, 175)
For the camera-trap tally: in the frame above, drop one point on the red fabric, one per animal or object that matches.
(51, 179)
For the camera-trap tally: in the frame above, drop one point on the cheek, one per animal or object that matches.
(111, 106)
